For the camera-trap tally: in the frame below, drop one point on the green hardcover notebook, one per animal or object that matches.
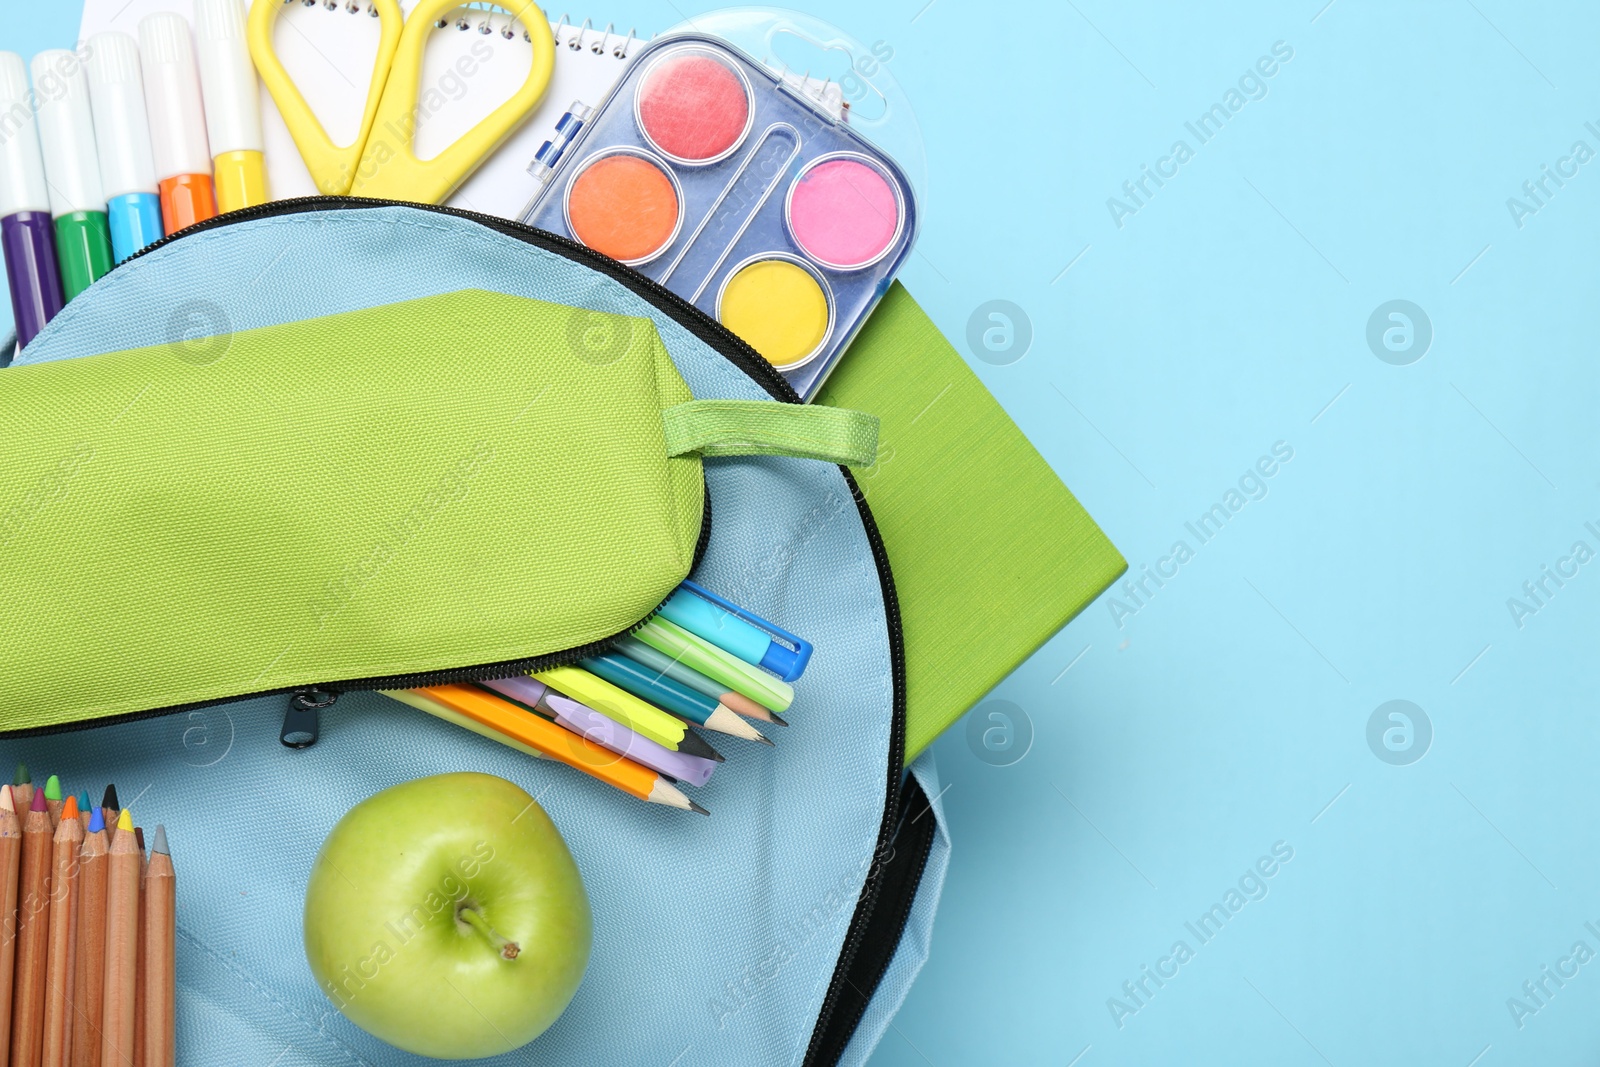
(991, 553)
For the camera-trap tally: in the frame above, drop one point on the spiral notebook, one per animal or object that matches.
(328, 48)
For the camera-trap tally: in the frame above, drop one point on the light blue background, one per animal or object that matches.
(1230, 712)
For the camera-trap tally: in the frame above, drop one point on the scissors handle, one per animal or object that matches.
(332, 167)
(389, 168)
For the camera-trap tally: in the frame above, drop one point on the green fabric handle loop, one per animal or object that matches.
(767, 428)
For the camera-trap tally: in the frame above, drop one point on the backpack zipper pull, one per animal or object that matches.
(303, 719)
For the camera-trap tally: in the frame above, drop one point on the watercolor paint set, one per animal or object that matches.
(730, 185)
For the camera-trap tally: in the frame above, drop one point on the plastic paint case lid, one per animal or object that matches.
(790, 42)
(780, 306)
(617, 203)
(693, 106)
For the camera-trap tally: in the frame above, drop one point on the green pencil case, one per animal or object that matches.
(461, 486)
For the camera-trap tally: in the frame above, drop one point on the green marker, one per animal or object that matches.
(83, 248)
(701, 655)
(72, 170)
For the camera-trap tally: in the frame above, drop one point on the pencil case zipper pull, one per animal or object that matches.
(303, 717)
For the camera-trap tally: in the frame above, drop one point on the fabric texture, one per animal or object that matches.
(715, 938)
(742, 428)
(917, 941)
(236, 514)
(992, 553)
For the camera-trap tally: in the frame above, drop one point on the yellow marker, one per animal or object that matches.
(637, 715)
(380, 162)
(233, 104)
(779, 308)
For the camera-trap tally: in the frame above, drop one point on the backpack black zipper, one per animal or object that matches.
(824, 1048)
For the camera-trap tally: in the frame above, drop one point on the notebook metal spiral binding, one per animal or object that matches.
(482, 17)
(608, 39)
(479, 16)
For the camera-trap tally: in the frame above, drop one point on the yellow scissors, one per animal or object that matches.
(384, 166)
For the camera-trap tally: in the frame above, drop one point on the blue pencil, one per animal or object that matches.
(651, 685)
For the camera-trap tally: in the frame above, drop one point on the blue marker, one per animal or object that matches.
(735, 630)
(122, 136)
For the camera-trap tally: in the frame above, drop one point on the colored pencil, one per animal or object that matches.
(22, 790)
(668, 695)
(664, 664)
(10, 863)
(89, 979)
(33, 935)
(84, 809)
(637, 715)
(569, 748)
(160, 959)
(64, 896)
(122, 946)
(417, 699)
(701, 655)
(108, 811)
(138, 966)
(52, 800)
(536, 698)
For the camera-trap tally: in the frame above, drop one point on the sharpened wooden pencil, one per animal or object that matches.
(10, 862)
(578, 752)
(22, 791)
(122, 946)
(63, 937)
(160, 956)
(89, 978)
(53, 801)
(33, 935)
(138, 967)
(109, 809)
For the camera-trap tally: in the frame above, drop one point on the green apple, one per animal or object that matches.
(446, 917)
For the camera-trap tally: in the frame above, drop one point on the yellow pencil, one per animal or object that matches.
(122, 945)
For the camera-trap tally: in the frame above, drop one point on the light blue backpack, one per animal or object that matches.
(784, 930)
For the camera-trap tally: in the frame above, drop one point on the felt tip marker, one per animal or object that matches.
(177, 121)
(27, 232)
(233, 104)
(72, 170)
(122, 136)
(733, 629)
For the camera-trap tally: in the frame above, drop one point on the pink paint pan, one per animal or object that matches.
(844, 211)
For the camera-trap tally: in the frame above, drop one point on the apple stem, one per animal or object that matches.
(507, 949)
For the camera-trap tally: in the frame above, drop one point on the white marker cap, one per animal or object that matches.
(233, 100)
(66, 132)
(121, 130)
(22, 184)
(172, 97)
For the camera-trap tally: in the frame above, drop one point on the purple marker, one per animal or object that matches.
(27, 229)
(607, 733)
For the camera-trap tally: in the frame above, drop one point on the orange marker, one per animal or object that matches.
(177, 122)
